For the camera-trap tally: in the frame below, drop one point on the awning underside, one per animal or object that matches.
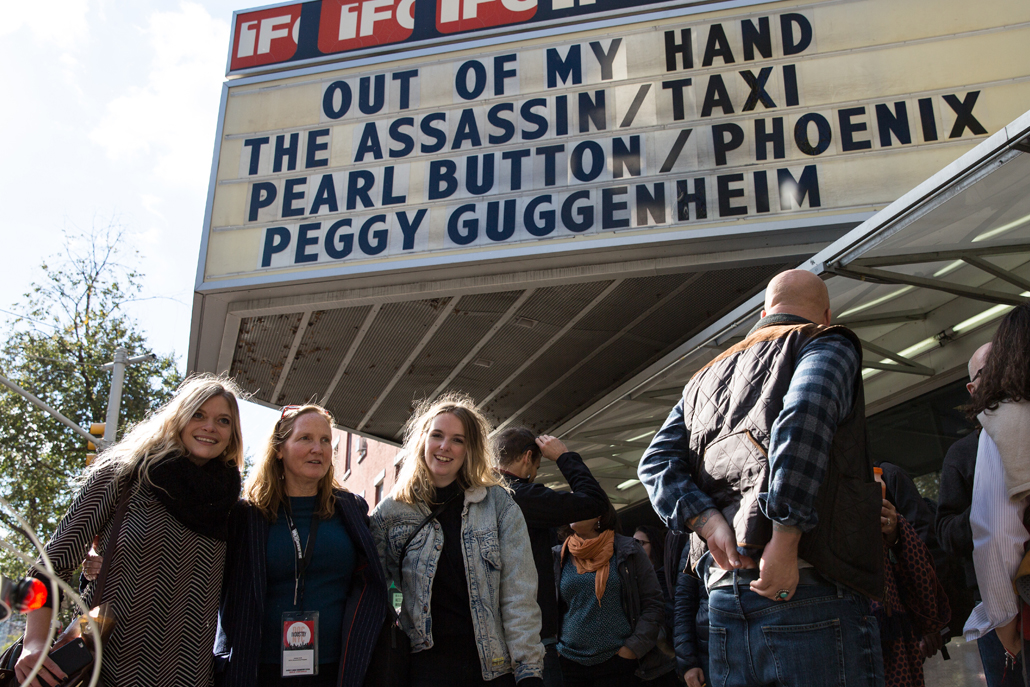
(532, 356)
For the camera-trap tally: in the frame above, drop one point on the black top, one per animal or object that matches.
(956, 496)
(450, 608)
(544, 509)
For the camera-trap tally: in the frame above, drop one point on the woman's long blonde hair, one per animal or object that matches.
(157, 436)
(266, 485)
(413, 483)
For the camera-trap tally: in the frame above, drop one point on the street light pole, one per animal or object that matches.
(114, 400)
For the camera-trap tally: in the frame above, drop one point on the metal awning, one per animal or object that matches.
(923, 283)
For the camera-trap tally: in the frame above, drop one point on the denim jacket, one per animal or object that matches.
(499, 570)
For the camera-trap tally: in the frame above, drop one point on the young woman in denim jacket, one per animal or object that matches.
(467, 577)
(612, 609)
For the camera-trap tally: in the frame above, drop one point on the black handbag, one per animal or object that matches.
(390, 665)
(101, 615)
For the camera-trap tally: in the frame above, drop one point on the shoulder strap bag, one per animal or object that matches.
(390, 665)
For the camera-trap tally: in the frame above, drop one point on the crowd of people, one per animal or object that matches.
(789, 559)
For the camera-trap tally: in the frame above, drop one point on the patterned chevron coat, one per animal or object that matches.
(163, 583)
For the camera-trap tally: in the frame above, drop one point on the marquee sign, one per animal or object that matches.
(643, 130)
(306, 31)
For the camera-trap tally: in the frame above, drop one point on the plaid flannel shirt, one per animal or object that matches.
(820, 396)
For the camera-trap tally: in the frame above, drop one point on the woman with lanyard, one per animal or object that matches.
(304, 596)
(456, 544)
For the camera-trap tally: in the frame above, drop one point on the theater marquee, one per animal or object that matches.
(689, 124)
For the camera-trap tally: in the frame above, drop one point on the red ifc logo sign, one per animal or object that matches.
(265, 37)
(466, 15)
(352, 24)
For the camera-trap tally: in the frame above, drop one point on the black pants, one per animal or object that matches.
(615, 672)
(270, 675)
(451, 667)
(552, 666)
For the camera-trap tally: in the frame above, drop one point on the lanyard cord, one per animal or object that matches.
(302, 558)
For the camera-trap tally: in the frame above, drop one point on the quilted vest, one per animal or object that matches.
(729, 409)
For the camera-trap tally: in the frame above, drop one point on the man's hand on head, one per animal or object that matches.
(551, 448)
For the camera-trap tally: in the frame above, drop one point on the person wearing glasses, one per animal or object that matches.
(454, 541)
(304, 595)
(179, 470)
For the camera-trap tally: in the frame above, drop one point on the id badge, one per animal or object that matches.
(300, 643)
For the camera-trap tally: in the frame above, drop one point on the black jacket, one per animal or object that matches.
(241, 611)
(642, 603)
(690, 624)
(954, 535)
(544, 509)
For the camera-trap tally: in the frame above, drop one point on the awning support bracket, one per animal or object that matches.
(886, 277)
(904, 364)
(999, 272)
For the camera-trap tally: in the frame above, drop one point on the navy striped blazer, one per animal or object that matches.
(241, 611)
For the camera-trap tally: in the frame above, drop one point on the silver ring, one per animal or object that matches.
(783, 594)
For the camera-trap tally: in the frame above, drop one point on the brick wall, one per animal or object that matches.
(367, 467)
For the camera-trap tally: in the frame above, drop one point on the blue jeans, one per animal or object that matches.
(996, 669)
(825, 635)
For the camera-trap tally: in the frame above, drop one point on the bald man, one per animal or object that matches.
(764, 460)
(956, 536)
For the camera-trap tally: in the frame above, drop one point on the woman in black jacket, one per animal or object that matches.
(611, 608)
(293, 505)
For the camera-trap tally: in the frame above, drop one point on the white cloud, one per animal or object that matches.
(171, 120)
(61, 23)
(151, 203)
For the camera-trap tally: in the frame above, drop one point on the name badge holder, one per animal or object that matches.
(300, 643)
(300, 628)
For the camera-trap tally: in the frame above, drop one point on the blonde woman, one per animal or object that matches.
(270, 574)
(467, 576)
(180, 470)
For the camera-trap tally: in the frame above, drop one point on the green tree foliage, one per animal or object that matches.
(72, 319)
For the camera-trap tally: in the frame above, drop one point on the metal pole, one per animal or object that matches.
(114, 401)
(45, 408)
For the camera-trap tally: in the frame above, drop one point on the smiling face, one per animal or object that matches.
(307, 454)
(445, 449)
(207, 433)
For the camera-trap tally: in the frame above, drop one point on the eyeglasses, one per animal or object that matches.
(286, 409)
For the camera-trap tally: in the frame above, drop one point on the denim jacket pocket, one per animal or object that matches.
(490, 550)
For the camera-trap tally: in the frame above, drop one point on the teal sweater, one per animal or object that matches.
(327, 580)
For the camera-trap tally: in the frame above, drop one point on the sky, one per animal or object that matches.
(110, 116)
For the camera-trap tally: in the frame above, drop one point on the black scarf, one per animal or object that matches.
(198, 496)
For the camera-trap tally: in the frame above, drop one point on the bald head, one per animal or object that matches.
(976, 363)
(798, 292)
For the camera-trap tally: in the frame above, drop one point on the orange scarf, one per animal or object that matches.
(592, 555)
